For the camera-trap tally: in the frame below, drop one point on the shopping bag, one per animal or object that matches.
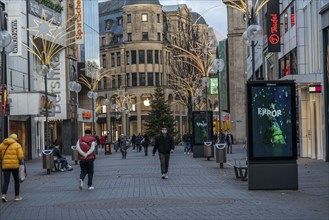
(22, 172)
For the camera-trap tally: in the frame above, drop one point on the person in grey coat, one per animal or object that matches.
(164, 143)
(123, 146)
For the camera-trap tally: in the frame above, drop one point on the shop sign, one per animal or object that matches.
(86, 115)
(315, 89)
(273, 26)
(78, 8)
(14, 29)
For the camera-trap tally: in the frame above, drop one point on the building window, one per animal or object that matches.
(160, 56)
(141, 56)
(150, 79)
(128, 79)
(119, 81)
(156, 57)
(112, 60)
(285, 17)
(134, 79)
(159, 36)
(158, 18)
(133, 57)
(127, 57)
(129, 18)
(108, 24)
(149, 56)
(104, 60)
(119, 21)
(142, 79)
(129, 37)
(113, 82)
(145, 36)
(105, 83)
(292, 15)
(118, 59)
(103, 41)
(144, 17)
(157, 79)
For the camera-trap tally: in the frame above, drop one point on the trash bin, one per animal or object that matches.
(75, 154)
(207, 149)
(48, 160)
(220, 153)
(108, 148)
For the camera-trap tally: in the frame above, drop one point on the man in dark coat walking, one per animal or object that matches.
(164, 143)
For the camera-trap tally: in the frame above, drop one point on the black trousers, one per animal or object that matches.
(164, 162)
(87, 167)
(6, 174)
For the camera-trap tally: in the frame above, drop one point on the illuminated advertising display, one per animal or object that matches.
(271, 120)
(213, 86)
(200, 127)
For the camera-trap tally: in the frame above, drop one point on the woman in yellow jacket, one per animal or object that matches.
(11, 154)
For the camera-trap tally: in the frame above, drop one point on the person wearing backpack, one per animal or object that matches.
(86, 148)
(11, 154)
(145, 143)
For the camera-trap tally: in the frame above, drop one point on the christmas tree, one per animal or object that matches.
(160, 116)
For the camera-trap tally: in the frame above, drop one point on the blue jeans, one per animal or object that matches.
(187, 146)
(63, 162)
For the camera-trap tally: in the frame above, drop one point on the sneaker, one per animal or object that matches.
(81, 184)
(166, 176)
(188, 152)
(18, 198)
(4, 198)
(69, 168)
(62, 170)
(163, 176)
(91, 188)
(184, 152)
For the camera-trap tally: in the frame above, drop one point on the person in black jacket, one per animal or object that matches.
(164, 143)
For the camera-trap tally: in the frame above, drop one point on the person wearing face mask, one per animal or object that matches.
(164, 144)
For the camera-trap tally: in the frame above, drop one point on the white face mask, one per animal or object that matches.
(164, 131)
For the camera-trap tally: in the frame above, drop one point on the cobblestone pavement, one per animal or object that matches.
(196, 189)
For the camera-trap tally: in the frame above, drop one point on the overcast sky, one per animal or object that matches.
(213, 11)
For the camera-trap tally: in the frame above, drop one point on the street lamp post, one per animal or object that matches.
(75, 87)
(205, 82)
(6, 45)
(48, 72)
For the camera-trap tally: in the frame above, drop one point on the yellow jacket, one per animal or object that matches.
(13, 155)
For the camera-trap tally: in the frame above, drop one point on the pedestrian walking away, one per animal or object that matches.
(164, 144)
(229, 142)
(102, 141)
(123, 144)
(86, 148)
(11, 154)
(146, 143)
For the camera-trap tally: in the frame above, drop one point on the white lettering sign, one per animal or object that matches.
(78, 7)
(269, 112)
(15, 30)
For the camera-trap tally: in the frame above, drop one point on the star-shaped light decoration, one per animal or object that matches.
(43, 27)
(246, 6)
(50, 36)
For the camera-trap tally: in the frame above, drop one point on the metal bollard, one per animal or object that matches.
(75, 154)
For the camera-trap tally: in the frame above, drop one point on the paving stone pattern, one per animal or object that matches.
(196, 189)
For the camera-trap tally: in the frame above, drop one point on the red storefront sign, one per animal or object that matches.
(273, 26)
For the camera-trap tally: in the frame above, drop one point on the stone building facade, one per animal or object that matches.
(135, 41)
